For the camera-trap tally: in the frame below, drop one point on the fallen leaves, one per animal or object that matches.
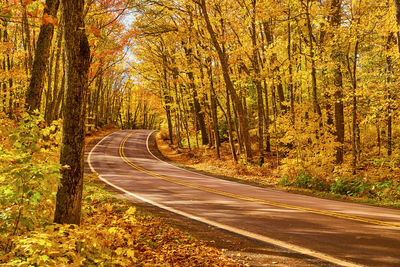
(112, 233)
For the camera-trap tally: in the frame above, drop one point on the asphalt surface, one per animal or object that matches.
(338, 232)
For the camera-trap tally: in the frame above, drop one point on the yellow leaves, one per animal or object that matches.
(131, 254)
(112, 233)
(131, 211)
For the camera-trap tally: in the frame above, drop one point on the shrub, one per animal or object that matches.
(305, 180)
(356, 187)
(27, 181)
(284, 181)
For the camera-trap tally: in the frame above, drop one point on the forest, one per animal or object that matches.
(303, 91)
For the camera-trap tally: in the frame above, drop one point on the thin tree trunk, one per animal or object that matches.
(229, 118)
(49, 96)
(338, 82)
(289, 51)
(317, 107)
(257, 81)
(56, 88)
(352, 72)
(26, 34)
(214, 114)
(267, 120)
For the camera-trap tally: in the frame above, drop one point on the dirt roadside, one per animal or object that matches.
(242, 249)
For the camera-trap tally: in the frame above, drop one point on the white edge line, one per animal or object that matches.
(235, 230)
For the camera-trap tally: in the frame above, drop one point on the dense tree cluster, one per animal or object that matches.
(315, 82)
(308, 83)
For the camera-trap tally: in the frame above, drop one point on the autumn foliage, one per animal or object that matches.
(295, 86)
(293, 93)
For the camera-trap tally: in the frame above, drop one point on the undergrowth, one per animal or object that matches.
(387, 191)
(373, 187)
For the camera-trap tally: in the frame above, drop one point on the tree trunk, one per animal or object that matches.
(317, 107)
(77, 50)
(42, 53)
(168, 102)
(49, 97)
(257, 81)
(352, 73)
(338, 82)
(267, 120)
(289, 51)
(26, 35)
(229, 118)
(214, 114)
(397, 6)
(389, 73)
(56, 87)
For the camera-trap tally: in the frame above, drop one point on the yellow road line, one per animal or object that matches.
(247, 198)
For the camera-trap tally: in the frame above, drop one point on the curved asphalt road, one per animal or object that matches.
(343, 233)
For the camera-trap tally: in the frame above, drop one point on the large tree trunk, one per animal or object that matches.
(42, 53)
(77, 50)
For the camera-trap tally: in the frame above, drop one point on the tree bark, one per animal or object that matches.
(338, 82)
(77, 50)
(42, 53)
(229, 122)
(26, 35)
(213, 97)
(389, 73)
(257, 81)
(56, 87)
(397, 6)
(317, 107)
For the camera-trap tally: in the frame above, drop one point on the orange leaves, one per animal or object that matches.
(26, 2)
(49, 19)
(95, 31)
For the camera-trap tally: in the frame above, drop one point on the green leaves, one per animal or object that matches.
(27, 180)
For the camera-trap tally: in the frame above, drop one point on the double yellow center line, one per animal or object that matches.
(247, 198)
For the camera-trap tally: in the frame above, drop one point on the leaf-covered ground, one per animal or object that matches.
(112, 231)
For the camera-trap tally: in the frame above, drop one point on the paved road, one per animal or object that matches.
(342, 233)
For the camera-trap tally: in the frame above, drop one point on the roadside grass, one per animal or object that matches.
(372, 187)
(112, 231)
